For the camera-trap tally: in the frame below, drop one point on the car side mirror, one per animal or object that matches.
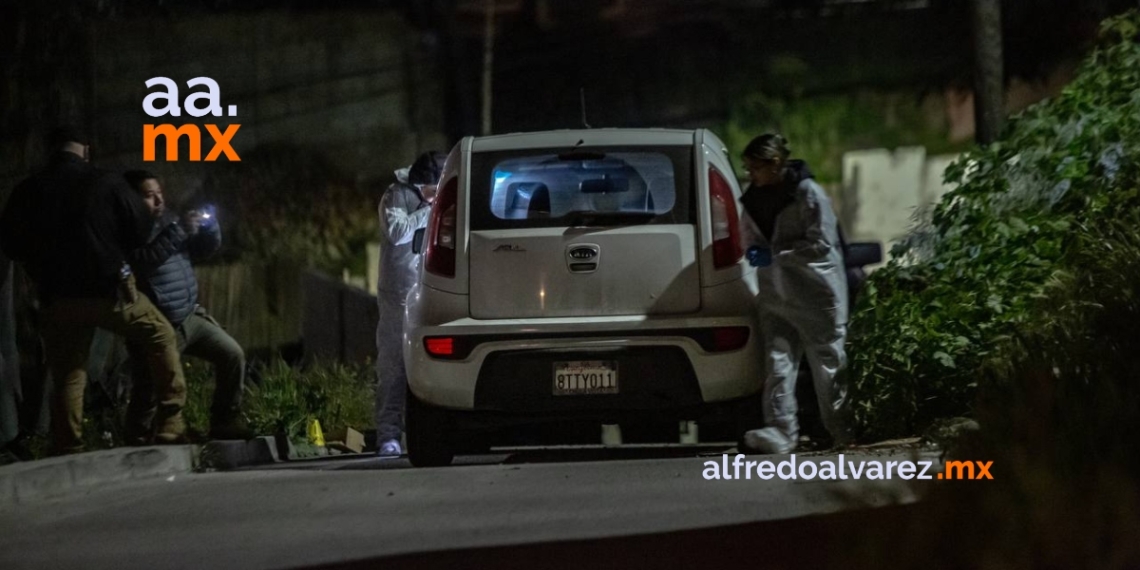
(861, 254)
(418, 240)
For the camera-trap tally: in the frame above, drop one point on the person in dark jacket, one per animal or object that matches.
(167, 277)
(71, 226)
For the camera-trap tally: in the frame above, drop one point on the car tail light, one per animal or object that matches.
(729, 338)
(440, 346)
(727, 250)
(441, 232)
(449, 347)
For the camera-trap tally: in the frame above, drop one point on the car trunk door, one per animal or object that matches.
(584, 272)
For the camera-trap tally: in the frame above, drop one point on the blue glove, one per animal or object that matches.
(759, 256)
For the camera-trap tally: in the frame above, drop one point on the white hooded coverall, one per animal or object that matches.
(802, 307)
(402, 210)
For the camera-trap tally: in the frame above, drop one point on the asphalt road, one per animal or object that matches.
(326, 512)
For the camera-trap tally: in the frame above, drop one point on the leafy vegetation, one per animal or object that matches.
(1036, 231)
(1049, 311)
(1058, 420)
(284, 398)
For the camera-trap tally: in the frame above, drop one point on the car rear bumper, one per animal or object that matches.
(663, 364)
(570, 420)
(648, 378)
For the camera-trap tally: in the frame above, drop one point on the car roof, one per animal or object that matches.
(569, 138)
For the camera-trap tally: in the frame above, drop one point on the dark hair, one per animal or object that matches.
(768, 147)
(136, 177)
(427, 168)
(64, 134)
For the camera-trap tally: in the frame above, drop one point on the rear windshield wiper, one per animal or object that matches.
(590, 218)
(581, 155)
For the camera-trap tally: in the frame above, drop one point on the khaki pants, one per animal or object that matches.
(67, 328)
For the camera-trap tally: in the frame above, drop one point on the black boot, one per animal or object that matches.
(139, 427)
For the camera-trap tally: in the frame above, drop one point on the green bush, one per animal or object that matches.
(1058, 419)
(337, 395)
(286, 398)
(1032, 213)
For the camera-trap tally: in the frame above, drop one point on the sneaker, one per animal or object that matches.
(171, 430)
(390, 449)
(136, 440)
(769, 441)
(18, 448)
(139, 426)
(171, 439)
(7, 457)
(138, 433)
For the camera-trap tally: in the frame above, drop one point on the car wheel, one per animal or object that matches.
(428, 436)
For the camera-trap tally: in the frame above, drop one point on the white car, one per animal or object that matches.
(580, 275)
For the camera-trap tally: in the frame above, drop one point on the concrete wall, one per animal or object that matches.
(883, 189)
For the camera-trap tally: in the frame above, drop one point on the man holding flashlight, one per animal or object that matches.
(167, 277)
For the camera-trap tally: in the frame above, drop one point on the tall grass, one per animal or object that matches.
(281, 399)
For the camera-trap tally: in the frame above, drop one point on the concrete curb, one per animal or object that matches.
(26, 482)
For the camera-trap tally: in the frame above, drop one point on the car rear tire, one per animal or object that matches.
(429, 431)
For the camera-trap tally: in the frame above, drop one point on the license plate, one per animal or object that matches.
(585, 377)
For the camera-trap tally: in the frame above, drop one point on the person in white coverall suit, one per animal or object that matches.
(791, 233)
(404, 208)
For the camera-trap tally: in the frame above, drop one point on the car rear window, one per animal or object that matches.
(602, 186)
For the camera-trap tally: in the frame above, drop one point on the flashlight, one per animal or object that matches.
(207, 215)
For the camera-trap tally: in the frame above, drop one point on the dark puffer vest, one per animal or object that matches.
(163, 268)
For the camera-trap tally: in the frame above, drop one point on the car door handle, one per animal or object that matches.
(583, 267)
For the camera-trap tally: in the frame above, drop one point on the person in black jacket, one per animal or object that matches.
(167, 277)
(71, 226)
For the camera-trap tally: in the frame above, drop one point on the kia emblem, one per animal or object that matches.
(583, 253)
